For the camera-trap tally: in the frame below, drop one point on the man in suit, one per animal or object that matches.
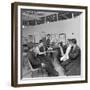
(62, 50)
(39, 59)
(46, 41)
(72, 65)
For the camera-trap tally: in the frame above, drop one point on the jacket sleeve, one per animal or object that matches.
(75, 54)
(33, 60)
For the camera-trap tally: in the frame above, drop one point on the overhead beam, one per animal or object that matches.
(64, 15)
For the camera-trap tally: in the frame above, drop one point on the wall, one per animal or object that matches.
(68, 26)
(5, 46)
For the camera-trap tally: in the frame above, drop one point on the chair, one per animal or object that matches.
(34, 71)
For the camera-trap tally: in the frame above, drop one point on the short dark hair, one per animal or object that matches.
(48, 34)
(74, 41)
(40, 41)
(61, 43)
(69, 40)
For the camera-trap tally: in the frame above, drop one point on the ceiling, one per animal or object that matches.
(36, 17)
(28, 14)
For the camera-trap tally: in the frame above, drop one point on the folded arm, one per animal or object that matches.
(75, 54)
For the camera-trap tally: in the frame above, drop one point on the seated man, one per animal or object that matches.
(40, 59)
(63, 51)
(66, 56)
(72, 64)
(33, 59)
(60, 52)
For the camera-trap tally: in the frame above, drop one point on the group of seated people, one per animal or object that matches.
(68, 56)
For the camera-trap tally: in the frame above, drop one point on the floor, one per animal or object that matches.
(58, 68)
(26, 72)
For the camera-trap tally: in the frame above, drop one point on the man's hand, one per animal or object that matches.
(44, 52)
(64, 58)
(42, 64)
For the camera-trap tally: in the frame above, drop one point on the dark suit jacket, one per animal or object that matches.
(46, 42)
(75, 54)
(34, 60)
(72, 65)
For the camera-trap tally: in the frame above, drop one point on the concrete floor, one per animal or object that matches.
(26, 72)
(58, 68)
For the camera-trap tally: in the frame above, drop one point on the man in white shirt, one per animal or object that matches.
(66, 55)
